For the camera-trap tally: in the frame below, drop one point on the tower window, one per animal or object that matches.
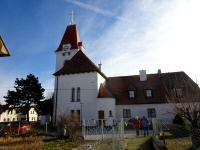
(110, 113)
(63, 54)
(73, 94)
(78, 94)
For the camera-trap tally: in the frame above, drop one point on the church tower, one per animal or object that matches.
(78, 81)
(69, 45)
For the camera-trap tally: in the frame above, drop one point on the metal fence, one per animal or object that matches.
(110, 136)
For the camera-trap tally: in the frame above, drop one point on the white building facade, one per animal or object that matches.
(81, 87)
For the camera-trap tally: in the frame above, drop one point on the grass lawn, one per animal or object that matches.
(36, 142)
(179, 143)
(139, 143)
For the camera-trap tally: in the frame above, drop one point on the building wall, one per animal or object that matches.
(13, 116)
(9, 116)
(106, 105)
(163, 111)
(33, 115)
(88, 93)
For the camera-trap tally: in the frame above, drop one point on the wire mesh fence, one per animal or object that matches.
(106, 136)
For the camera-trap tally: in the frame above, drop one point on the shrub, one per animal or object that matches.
(178, 120)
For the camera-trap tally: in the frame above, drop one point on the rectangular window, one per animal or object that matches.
(13, 119)
(126, 113)
(179, 92)
(148, 93)
(151, 112)
(73, 94)
(110, 113)
(78, 94)
(131, 94)
(72, 112)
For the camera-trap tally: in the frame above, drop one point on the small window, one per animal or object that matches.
(63, 54)
(4, 119)
(73, 94)
(110, 113)
(8, 119)
(126, 113)
(131, 94)
(78, 94)
(148, 93)
(8, 112)
(13, 119)
(33, 112)
(151, 112)
(179, 92)
(11, 112)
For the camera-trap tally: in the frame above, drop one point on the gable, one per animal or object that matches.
(80, 63)
(3, 49)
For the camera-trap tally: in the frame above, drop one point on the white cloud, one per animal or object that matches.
(95, 9)
(160, 34)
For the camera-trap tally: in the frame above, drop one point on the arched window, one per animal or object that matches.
(78, 94)
(73, 94)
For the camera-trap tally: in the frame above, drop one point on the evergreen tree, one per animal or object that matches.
(27, 92)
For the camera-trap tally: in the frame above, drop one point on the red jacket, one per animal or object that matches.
(137, 123)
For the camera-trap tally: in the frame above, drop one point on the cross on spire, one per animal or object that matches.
(72, 17)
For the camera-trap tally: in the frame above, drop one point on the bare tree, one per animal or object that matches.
(71, 125)
(184, 95)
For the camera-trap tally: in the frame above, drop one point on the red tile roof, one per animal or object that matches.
(71, 36)
(119, 87)
(79, 63)
(104, 92)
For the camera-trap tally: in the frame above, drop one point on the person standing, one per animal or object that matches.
(145, 126)
(137, 124)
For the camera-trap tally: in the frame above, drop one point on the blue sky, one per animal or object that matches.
(125, 36)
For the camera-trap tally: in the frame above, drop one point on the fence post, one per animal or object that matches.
(46, 127)
(122, 128)
(102, 129)
(19, 128)
(83, 128)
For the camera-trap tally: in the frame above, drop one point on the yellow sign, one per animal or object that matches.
(3, 49)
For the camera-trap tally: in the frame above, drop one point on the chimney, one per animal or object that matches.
(159, 72)
(143, 75)
(100, 66)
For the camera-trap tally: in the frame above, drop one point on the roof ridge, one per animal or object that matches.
(147, 74)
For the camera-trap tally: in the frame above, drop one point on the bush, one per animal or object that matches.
(179, 130)
(178, 120)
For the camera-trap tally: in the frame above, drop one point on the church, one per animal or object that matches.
(81, 87)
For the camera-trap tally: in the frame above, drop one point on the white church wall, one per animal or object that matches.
(88, 93)
(163, 111)
(100, 80)
(107, 104)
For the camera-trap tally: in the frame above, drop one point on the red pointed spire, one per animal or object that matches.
(71, 36)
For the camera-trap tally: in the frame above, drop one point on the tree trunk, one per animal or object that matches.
(195, 138)
(27, 119)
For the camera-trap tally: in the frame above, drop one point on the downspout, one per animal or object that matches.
(56, 100)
